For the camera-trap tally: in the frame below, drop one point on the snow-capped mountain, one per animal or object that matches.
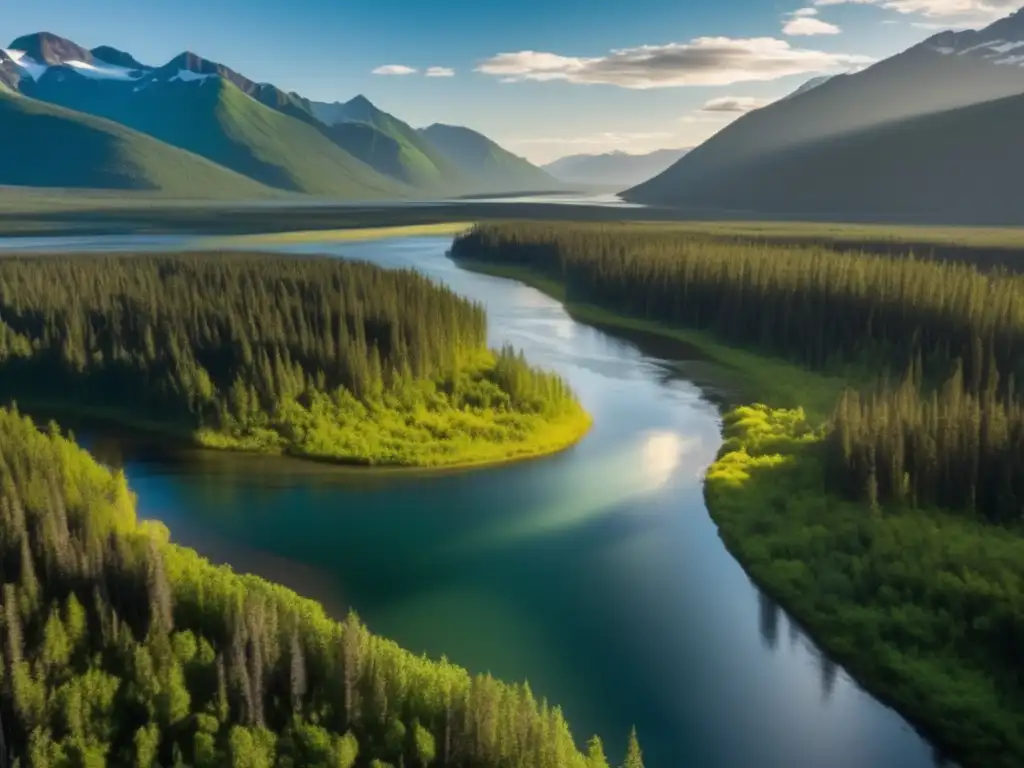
(34, 57)
(1000, 43)
(274, 137)
(948, 71)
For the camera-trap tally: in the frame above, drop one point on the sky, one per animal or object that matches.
(544, 78)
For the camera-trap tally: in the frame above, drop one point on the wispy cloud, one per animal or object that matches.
(394, 69)
(733, 104)
(804, 21)
(439, 72)
(979, 11)
(702, 61)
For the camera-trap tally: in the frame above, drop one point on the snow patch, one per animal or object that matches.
(188, 76)
(1011, 60)
(104, 72)
(1006, 47)
(30, 66)
(986, 44)
(945, 50)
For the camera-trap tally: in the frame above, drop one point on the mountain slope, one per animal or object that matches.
(49, 146)
(490, 166)
(419, 163)
(961, 166)
(619, 169)
(933, 76)
(208, 115)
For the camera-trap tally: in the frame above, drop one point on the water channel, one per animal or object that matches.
(596, 574)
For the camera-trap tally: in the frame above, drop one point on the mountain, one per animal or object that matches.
(49, 146)
(490, 166)
(204, 108)
(960, 166)
(418, 163)
(945, 72)
(350, 150)
(619, 169)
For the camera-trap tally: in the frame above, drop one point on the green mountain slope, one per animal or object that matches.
(961, 166)
(211, 117)
(488, 165)
(418, 163)
(76, 150)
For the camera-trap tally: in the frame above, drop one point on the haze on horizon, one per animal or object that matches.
(545, 79)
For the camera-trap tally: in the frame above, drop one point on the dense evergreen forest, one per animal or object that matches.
(119, 648)
(314, 356)
(894, 529)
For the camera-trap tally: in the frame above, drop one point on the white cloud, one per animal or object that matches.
(733, 104)
(394, 69)
(439, 72)
(980, 10)
(703, 61)
(807, 25)
(802, 21)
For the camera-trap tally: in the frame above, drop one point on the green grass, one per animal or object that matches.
(78, 150)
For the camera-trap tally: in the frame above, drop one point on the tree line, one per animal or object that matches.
(119, 648)
(317, 355)
(810, 304)
(957, 445)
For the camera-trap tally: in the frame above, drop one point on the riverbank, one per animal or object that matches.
(878, 591)
(321, 358)
(391, 440)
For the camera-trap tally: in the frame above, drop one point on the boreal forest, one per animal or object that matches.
(894, 527)
(315, 357)
(120, 648)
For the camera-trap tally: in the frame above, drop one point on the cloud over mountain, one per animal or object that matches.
(702, 61)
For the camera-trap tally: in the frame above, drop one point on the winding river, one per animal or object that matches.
(596, 574)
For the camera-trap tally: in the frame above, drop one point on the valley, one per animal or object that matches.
(392, 387)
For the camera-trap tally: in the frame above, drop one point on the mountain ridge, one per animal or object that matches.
(920, 80)
(616, 168)
(81, 149)
(385, 158)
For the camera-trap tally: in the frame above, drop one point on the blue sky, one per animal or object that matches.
(543, 77)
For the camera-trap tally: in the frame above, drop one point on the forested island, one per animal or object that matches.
(879, 492)
(118, 647)
(315, 357)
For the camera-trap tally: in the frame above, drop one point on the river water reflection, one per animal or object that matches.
(596, 574)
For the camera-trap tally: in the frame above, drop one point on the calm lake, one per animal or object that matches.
(596, 574)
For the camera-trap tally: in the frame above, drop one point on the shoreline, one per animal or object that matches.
(42, 412)
(783, 386)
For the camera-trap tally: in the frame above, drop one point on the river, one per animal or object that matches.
(597, 574)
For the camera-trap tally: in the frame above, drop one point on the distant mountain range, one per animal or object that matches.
(614, 169)
(930, 134)
(232, 135)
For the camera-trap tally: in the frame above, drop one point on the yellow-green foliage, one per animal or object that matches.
(316, 357)
(462, 419)
(119, 648)
(922, 606)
